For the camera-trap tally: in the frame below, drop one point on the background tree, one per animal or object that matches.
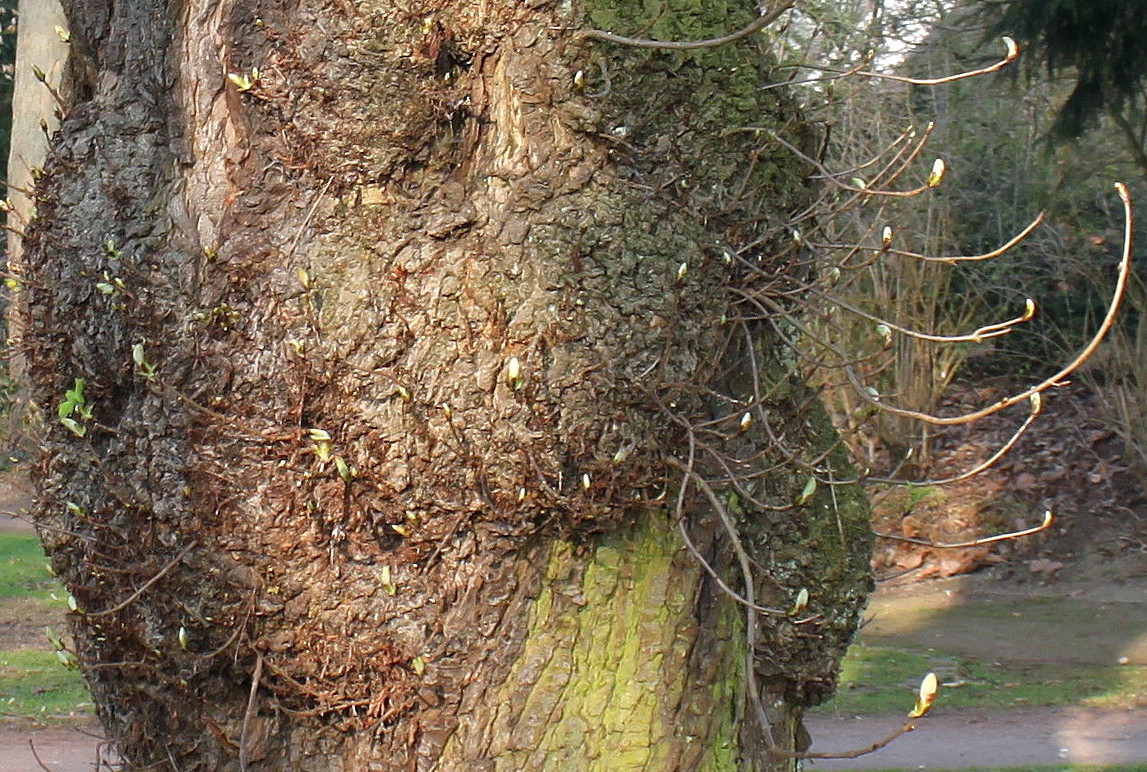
(389, 349)
(1098, 46)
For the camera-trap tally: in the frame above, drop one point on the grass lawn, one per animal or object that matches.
(34, 685)
(23, 568)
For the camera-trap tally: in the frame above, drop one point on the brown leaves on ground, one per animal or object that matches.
(1069, 462)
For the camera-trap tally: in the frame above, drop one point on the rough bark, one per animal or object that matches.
(385, 356)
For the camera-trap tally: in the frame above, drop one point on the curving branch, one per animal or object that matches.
(1052, 382)
(946, 259)
(1036, 408)
(143, 588)
(1012, 54)
(1048, 519)
(978, 336)
(764, 20)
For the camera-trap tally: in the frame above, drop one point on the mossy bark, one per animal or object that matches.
(386, 341)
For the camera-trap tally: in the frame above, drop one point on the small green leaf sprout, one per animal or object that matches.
(386, 581)
(244, 82)
(322, 444)
(111, 286)
(66, 658)
(807, 492)
(75, 411)
(885, 332)
(143, 368)
(345, 470)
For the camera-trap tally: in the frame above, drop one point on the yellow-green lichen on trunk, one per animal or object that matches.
(608, 675)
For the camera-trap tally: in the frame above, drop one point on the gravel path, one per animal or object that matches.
(943, 741)
(1037, 736)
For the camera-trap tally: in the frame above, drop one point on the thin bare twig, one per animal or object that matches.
(980, 467)
(39, 762)
(854, 754)
(1013, 53)
(764, 20)
(131, 598)
(1048, 519)
(1054, 381)
(244, 751)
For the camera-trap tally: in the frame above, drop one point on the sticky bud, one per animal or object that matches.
(746, 421)
(936, 176)
(928, 688)
(1013, 48)
(514, 373)
(585, 481)
(886, 238)
(682, 270)
(801, 602)
(1029, 311)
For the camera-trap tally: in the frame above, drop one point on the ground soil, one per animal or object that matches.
(1092, 561)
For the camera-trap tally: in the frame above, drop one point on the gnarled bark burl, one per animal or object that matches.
(401, 326)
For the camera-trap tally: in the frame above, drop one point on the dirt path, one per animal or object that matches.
(15, 499)
(1044, 736)
(59, 750)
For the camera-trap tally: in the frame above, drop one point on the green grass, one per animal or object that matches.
(1055, 768)
(34, 686)
(23, 568)
(884, 679)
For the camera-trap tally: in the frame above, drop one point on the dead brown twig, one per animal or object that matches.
(144, 587)
(764, 20)
(1048, 519)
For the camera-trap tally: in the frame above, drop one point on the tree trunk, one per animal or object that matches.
(408, 340)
